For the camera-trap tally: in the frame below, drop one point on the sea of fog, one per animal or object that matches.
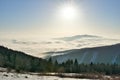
(37, 47)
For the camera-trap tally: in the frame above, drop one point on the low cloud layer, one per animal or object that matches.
(39, 47)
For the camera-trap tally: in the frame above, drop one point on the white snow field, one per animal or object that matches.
(18, 76)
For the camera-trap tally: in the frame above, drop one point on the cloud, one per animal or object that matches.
(76, 37)
(23, 42)
(39, 47)
(46, 42)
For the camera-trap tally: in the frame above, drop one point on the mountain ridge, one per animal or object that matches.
(103, 54)
(75, 37)
(21, 61)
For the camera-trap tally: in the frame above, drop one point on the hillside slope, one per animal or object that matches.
(103, 54)
(20, 61)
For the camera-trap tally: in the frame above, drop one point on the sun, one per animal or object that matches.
(68, 12)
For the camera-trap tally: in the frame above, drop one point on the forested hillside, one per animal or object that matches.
(20, 61)
(103, 54)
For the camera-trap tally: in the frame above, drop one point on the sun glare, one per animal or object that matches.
(68, 12)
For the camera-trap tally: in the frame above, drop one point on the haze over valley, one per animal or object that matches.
(41, 46)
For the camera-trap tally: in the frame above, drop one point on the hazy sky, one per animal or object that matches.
(42, 18)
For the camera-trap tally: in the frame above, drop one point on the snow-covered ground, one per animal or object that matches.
(18, 76)
(4, 75)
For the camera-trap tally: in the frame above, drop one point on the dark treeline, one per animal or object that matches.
(72, 66)
(22, 62)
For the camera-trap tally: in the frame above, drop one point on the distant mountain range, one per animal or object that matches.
(77, 37)
(70, 60)
(104, 54)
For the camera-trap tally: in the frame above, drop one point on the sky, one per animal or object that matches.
(43, 18)
(37, 26)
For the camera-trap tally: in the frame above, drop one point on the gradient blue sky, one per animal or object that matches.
(40, 18)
